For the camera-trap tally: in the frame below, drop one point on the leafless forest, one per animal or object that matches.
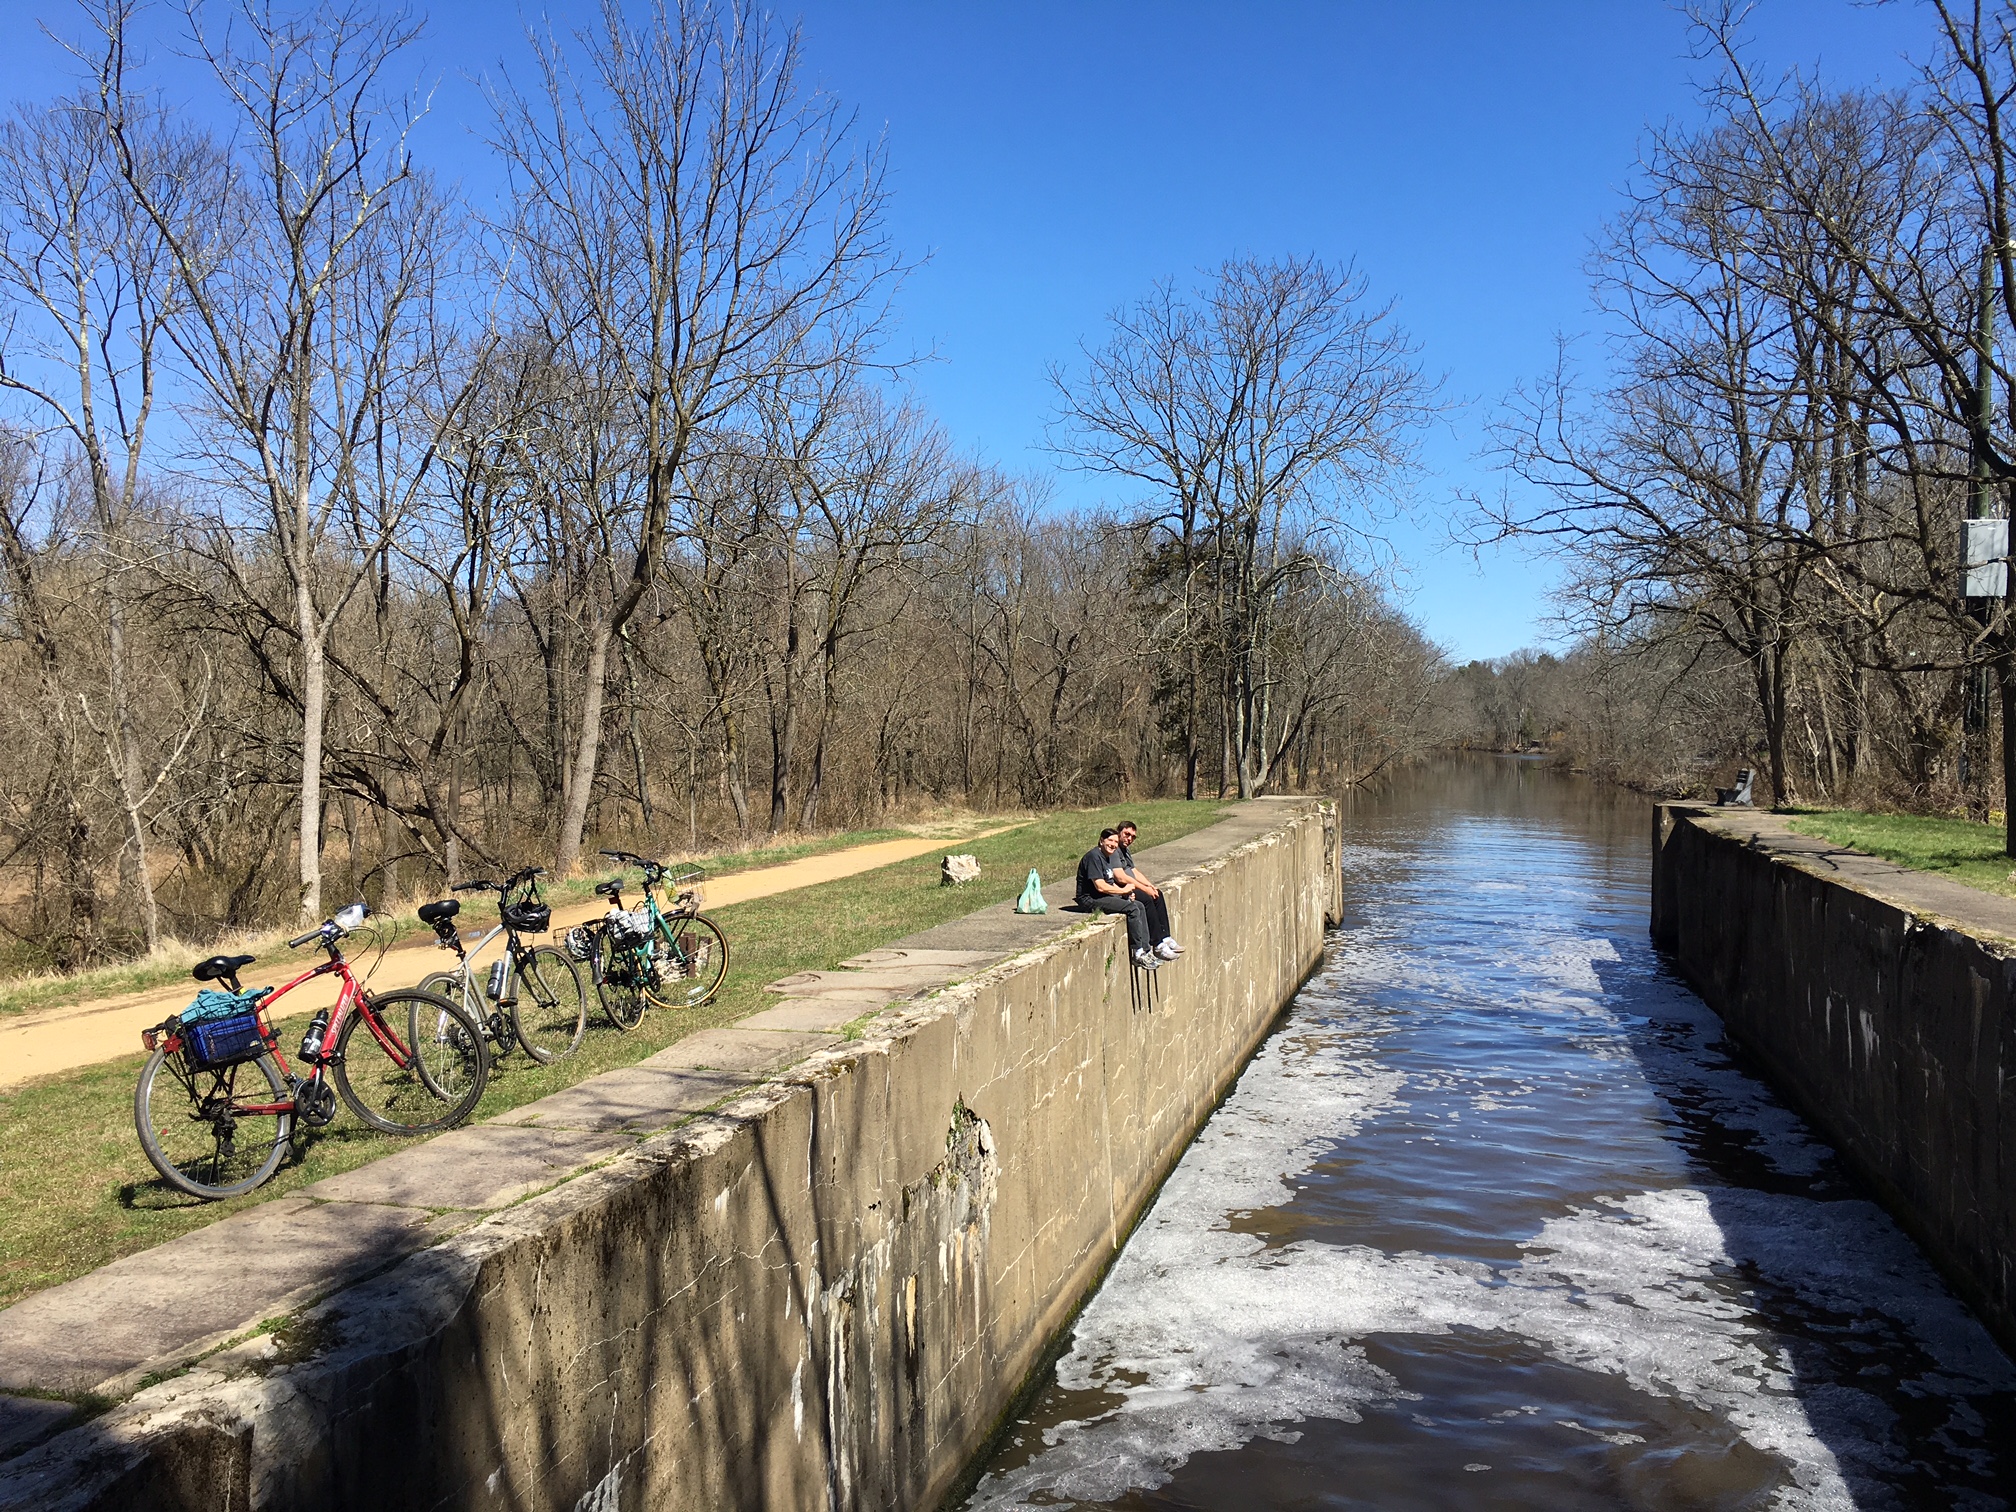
(355, 536)
(1759, 492)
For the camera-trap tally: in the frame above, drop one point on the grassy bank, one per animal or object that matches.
(1966, 852)
(170, 964)
(75, 1191)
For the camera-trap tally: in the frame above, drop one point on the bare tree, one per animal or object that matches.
(89, 292)
(307, 310)
(1276, 402)
(703, 226)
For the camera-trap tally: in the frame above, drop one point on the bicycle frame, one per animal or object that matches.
(350, 999)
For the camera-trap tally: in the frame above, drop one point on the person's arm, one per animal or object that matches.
(1117, 889)
(1140, 880)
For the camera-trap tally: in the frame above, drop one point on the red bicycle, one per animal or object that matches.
(406, 1062)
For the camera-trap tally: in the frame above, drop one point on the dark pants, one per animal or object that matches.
(1157, 912)
(1137, 922)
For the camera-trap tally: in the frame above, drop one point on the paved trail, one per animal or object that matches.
(85, 1034)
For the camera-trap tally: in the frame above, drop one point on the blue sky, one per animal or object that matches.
(1051, 161)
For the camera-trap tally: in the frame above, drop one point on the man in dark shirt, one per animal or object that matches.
(1101, 889)
(1154, 907)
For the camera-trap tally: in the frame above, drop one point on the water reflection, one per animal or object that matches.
(1496, 1220)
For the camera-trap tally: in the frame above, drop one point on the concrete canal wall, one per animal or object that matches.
(1882, 1002)
(823, 1295)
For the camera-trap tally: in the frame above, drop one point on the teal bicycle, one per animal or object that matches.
(653, 955)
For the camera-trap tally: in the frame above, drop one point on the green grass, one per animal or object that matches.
(171, 964)
(1966, 852)
(75, 1191)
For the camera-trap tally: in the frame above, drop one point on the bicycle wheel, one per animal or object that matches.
(411, 1062)
(551, 1013)
(206, 1141)
(691, 964)
(618, 982)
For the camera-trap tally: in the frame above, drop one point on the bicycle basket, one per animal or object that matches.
(526, 918)
(687, 879)
(213, 1043)
(580, 942)
(628, 928)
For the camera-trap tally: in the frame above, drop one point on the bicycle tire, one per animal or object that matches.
(697, 965)
(447, 1063)
(189, 1150)
(550, 1014)
(616, 984)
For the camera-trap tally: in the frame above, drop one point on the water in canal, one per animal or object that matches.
(1495, 1221)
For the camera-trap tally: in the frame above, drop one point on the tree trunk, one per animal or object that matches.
(451, 840)
(314, 698)
(132, 771)
(581, 774)
(731, 771)
(634, 701)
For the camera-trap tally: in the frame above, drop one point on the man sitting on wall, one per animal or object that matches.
(1153, 906)
(1101, 890)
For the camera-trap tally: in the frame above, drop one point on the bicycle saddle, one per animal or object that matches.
(440, 913)
(609, 889)
(218, 967)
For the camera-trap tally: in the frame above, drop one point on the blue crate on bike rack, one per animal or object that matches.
(221, 1042)
(222, 1028)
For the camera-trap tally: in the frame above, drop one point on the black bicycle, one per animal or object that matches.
(530, 993)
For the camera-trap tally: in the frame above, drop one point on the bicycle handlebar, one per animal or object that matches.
(652, 869)
(486, 884)
(313, 934)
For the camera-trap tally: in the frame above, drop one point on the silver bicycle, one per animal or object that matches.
(531, 993)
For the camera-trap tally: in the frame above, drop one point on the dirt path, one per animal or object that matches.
(85, 1034)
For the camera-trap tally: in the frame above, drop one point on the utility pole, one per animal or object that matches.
(1984, 570)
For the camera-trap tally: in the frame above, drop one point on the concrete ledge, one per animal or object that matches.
(823, 1292)
(1881, 1002)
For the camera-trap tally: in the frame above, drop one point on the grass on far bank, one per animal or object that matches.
(76, 1192)
(170, 964)
(1957, 848)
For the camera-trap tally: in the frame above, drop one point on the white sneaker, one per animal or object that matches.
(1146, 960)
(1168, 949)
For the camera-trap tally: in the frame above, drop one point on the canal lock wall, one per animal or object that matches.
(827, 1294)
(1888, 1024)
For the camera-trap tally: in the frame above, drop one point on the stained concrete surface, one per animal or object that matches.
(635, 1098)
(734, 1050)
(26, 1421)
(141, 1311)
(531, 1147)
(1924, 893)
(1882, 1004)
(488, 1166)
(88, 1333)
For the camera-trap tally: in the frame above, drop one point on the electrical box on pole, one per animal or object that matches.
(1984, 559)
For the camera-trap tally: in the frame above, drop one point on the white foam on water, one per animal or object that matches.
(1205, 1338)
